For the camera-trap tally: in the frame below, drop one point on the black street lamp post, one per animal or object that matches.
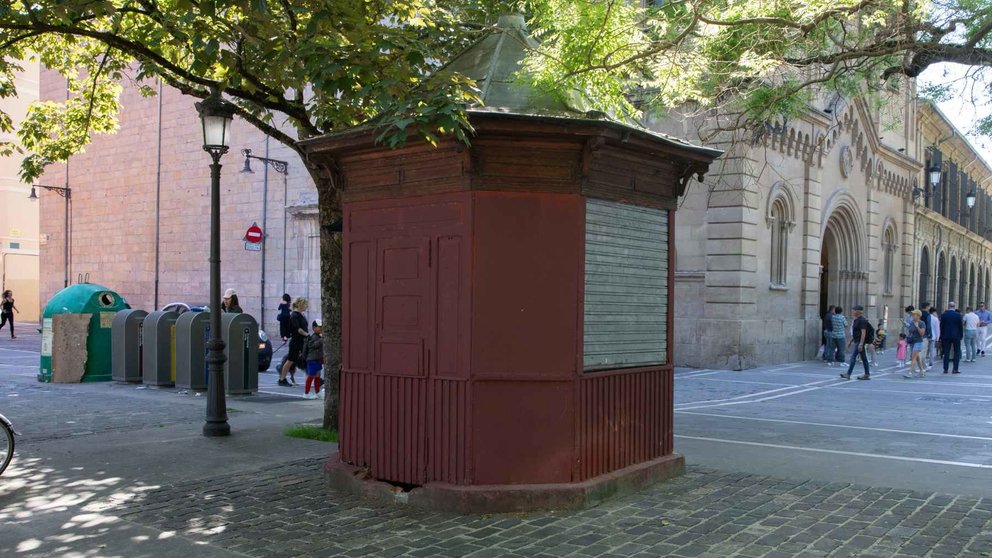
(216, 115)
(66, 193)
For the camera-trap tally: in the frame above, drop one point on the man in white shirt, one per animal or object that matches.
(971, 322)
(985, 318)
(934, 336)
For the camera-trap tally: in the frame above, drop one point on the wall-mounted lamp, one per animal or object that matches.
(970, 199)
(66, 193)
(934, 173)
(282, 167)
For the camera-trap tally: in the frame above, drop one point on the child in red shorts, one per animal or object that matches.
(314, 352)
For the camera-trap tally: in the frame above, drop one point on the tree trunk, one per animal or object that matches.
(329, 211)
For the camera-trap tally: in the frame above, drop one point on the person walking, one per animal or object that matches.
(971, 322)
(285, 328)
(985, 318)
(901, 349)
(230, 304)
(880, 335)
(915, 343)
(315, 360)
(7, 309)
(295, 358)
(835, 342)
(927, 337)
(907, 326)
(862, 334)
(826, 328)
(951, 331)
(935, 331)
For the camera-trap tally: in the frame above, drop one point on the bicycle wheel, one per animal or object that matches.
(6, 446)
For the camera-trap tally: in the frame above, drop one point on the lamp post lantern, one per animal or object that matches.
(216, 114)
(66, 193)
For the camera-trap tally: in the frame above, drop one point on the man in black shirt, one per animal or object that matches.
(859, 339)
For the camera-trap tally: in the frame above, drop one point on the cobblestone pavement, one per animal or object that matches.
(289, 512)
(106, 470)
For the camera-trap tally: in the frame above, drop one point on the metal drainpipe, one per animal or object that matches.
(158, 195)
(265, 230)
(285, 218)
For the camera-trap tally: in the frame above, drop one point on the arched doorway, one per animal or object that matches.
(963, 286)
(939, 295)
(843, 280)
(952, 283)
(925, 275)
(986, 296)
(972, 287)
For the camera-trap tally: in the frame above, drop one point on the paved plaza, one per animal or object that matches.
(782, 461)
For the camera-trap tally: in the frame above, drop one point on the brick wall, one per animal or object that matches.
(113, 221)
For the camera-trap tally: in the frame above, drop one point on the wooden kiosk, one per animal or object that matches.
(507, 332)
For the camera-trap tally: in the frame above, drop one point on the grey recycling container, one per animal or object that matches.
(192, 332)
(158, 349)
(125, 345)
(240, 334)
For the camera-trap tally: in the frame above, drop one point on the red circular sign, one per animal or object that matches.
(254, 234)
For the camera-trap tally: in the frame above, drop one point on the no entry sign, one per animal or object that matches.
(254, 234)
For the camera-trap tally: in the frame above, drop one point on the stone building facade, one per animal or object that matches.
(953, 241)
(814, 212)
(140, 212)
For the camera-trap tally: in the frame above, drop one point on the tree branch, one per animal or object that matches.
(138, 50)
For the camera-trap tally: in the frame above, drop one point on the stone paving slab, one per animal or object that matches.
(706, 513)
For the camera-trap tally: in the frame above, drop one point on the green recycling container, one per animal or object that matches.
(84, 298)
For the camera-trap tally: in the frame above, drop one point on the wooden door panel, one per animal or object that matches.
(403, 306)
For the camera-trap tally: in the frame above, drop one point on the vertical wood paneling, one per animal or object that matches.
(448, 444)
(397, 452)
(624, 418)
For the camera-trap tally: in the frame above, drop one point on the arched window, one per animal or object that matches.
(924, 275)
(963, 286)
(941, 282)
(888, 259)
(952, 282)
(780, 216)
(779, 224)
(971, 292)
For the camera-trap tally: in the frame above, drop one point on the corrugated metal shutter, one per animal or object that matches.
(626, 291)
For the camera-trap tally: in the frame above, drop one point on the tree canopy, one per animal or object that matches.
(324, 65)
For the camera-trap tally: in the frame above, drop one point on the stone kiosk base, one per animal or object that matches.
(504, 498)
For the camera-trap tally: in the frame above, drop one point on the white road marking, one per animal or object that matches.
(701, 370)
(840, 452)
(873, 429)
(20, 351)
(289, 394)
(756, 394)
(696, 375)
(745, 382)
(735, 400)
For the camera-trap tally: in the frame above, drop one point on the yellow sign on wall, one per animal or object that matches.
(14, 232)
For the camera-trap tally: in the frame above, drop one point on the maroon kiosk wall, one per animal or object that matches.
(463, 308)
